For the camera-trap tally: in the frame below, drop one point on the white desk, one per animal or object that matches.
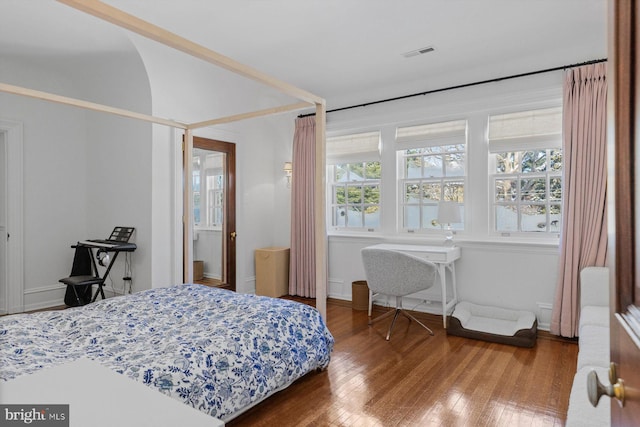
(444, 257)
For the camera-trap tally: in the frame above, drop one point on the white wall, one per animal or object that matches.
(509, 272)
(54, 171)
(118, 174)
(263, 204)
(84, 172)
(511, 275)
(184, 88)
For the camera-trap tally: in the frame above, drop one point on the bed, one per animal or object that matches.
(212, 349)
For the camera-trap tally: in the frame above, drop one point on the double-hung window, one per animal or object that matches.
(215, 187)
(208, 189)
(526, 171)
(432, 169)
(354, 171)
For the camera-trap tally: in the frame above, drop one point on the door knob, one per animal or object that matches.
(232, 235)
(595, 389)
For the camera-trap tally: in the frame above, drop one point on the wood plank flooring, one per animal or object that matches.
(208, 282)
(212, 283)
(420, 380)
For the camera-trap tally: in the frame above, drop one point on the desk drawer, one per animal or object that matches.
(430, 256)
(440, 257)
(438, 254)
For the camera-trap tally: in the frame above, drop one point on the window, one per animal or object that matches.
(208, 189)
(492, 166)
(195, 185)
(432, 161)
(526, 156)
(354, 173)
(215, 194)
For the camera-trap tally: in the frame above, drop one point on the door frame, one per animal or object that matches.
(229, 226)
(14, 273)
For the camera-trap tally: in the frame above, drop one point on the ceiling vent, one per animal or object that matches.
(418, 51)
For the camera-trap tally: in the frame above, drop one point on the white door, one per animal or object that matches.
(12, 286)
(3, 223)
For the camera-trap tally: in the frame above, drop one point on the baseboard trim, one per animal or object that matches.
(44, 289)
(339, 302)
(43, 297)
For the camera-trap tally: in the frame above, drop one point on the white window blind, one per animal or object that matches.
(355, 147)
(526, 130)
(433, 134)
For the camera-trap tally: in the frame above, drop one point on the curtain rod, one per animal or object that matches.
(530, 73)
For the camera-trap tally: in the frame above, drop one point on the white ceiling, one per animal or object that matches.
(347, 51)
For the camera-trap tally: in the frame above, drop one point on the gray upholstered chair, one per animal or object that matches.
(397, 274)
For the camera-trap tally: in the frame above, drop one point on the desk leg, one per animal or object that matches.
(442, 270)
(454, 284)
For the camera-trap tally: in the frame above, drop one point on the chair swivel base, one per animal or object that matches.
(395, 313)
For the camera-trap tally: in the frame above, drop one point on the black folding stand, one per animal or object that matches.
(85, 274)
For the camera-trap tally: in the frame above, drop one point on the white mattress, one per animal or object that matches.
(100, 397)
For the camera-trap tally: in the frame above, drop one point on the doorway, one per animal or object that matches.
(214, 213)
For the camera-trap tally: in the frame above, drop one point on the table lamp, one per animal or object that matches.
(448, 213)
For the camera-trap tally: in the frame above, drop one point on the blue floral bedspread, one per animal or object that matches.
(215, 350)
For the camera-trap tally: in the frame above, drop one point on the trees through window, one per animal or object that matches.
(527, 171)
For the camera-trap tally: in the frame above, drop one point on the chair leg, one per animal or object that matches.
(382, 316)
(410, 317)
(398, 309)
(99, 291)
(75, 292)
(395, 316)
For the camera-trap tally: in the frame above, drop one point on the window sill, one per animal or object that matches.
(438, 240)
(356, 234)
(207, 228)
(513, 240)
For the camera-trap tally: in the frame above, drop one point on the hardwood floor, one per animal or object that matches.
(207, 281)
(212, 283)
(420, 380)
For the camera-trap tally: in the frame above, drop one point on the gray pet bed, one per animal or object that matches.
(494, 324)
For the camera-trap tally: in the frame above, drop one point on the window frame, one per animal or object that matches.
(548, 203)
(206, 196)
(478, 191)
(549, 142)
(353, 159)
(446, 139)
(215, 202)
